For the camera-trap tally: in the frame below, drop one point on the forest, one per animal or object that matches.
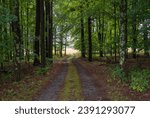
(76, 50)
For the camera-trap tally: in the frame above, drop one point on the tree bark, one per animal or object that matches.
(82, 37)
(37, 35)
(115, 32)
(42, 36)
(122, 33)
(98, 25)
(89, 39)
(51, 31)
(126, 27)
(17, 39)
(27, 40)
(61, 41)
(47, 27)
(61, 45)
(146, 42)
(103, 30)
(134, 30)
(55, 45)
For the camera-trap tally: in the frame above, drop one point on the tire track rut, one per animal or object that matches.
(51, 93)
(89, 90)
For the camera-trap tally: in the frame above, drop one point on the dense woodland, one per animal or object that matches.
(37, 31)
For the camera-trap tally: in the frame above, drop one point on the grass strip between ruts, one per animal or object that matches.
(72, 90)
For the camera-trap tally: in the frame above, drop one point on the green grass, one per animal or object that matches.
(72, 88)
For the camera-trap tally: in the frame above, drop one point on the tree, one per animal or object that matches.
(89, 39)
(82, 36)
(51, 30)
(115, 30)
(123, 32)
(42, 36)
(17, 39)
(146, 40)
(61, 42)
(37, 34)
(134, 29)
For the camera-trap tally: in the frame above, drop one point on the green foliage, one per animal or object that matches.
(118, 72)
(5, 16)
(139, 79)
(77, 45)
(42, 71)
(6, 44)
(146, 74)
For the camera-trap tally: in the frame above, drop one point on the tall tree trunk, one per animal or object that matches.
(110, 50)
(37, 35)
(55, 38)
(21, 29)
(82, 37)
(103, 29)
(17, 39)
(51, 31)
(27, 40)
(134, 30)
(98, 24)
(42, 36)
(47, 27)
(146, 41)
(65, 46)
(61, 41)
(122, 32)
(61, 45)
(10, 30)
(126, 26)
(115, 32)
(2, 2)
(89, 39)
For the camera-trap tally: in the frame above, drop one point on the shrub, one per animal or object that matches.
(118, 72)
(139, 80)
(42, 71)
(146, 74)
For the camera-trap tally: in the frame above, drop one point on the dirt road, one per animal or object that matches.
(54, 89)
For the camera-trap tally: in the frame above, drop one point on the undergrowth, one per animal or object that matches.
(137, 79)
(118, 72)
(42, 71)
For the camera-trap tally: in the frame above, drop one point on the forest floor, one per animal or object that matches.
(72, 79)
